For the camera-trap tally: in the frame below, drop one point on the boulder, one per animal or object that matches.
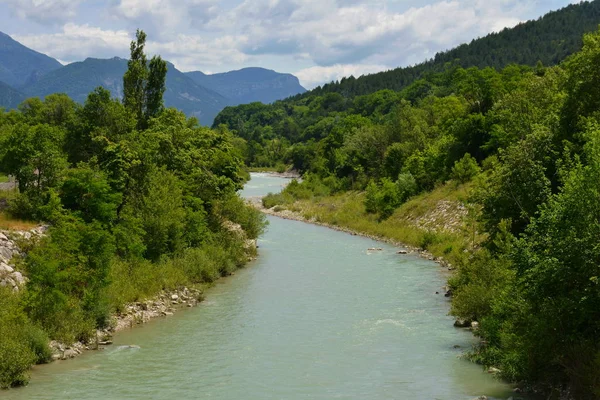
(18, 278)
(402, 251)
(3, 237)
(174, 297)
(462, 323)
(492, 370)
(69, 353)
(5, 253)
(474, 325)
(5, 269)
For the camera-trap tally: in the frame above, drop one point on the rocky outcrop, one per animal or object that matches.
(9, 248)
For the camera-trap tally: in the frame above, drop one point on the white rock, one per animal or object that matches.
(3, 237)
(18, 278)
(174, 297)
(5, 253)
(5, 269)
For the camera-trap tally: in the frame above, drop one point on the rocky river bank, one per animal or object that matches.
(164, 304)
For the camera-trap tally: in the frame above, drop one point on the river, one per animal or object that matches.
(316, 316)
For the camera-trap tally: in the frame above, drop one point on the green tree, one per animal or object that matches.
(136, 78)
(155, 87)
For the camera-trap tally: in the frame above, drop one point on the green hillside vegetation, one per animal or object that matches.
(522, 142)
(137, 197)
(549, 40)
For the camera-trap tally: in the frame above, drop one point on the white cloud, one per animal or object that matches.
(44, 11)
(76, 42)
(349, 32)
(187, 52)
(321, 39)
(165, 17)
(314, 76)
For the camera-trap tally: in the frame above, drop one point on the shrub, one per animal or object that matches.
(465, 169)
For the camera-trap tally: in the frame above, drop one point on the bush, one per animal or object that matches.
(16, 358)
(465, 169)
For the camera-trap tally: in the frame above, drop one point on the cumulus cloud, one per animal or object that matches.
(76, 42)
(321, 40)
(334, 32)
(165, 17)
(187, 52)
(43, 11)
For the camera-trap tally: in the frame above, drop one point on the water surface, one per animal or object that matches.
(317, 316)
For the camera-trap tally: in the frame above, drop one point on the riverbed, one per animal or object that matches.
(316, 316)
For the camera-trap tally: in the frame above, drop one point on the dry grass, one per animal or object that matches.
(13, 224)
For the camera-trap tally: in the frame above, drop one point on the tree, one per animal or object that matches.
(136, 77)
(155, 88)
(143, 84)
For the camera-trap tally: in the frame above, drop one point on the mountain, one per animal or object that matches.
(20, 65)
(248, 85)
(80, 78)
(549, 39)
(9, 97)
(196, 94)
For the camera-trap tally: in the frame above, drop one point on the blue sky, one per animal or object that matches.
(317, 40)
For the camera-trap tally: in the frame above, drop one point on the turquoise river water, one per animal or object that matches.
(316, 316)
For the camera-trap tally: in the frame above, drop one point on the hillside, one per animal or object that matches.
(80, 78)
(548, 39)
(20, 65)
(248, 85)
(9, 97)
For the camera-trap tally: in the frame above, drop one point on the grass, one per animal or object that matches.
(9, 223)
(347, 210)
(3, 178)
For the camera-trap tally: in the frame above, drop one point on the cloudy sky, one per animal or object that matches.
(317, 40)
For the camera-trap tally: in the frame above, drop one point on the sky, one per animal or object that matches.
(316, 40)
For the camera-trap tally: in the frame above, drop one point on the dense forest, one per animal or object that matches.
(138, 198)
(525, 141)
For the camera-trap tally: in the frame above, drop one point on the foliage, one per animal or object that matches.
(137, 197)
(465, 169)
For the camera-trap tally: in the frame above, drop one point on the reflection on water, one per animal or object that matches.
(315, 317)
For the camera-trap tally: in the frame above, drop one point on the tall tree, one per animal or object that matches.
(135, 78)
(155, 87)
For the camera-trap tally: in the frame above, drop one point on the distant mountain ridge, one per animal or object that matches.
(250, 84)
(20, 65)
(9, 97)
(196, 94)
(78, 79)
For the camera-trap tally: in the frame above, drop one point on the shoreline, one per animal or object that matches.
(295, 216)
(164, 304)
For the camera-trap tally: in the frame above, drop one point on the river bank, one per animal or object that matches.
(13, 247)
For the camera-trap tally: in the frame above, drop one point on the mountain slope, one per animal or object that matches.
(9, 97)
(248, 85)
(549, 39)
(80, 78)
(19, 64)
